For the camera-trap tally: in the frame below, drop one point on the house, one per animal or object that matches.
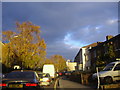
(83, 58)
(106, 51)
(88, 56)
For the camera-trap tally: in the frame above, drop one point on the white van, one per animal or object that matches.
(110, 73)
(49, 68)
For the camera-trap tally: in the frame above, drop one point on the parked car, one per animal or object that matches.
(45, 79)
(110, 73)
(40, 75)
(1, 75)
(67, 73)
(21, 79)
(60, 73)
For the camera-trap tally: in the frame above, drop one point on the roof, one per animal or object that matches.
(107, 41)
(115, 62)
(23, 71)
(91, 45)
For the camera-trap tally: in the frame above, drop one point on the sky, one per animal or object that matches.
(65, 26)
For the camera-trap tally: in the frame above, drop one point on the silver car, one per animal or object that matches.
(110, 73)
(45, 79)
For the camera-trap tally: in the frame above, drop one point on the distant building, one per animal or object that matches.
(71, 65)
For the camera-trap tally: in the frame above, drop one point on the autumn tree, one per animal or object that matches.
(106, 57)
(25, 47)
(48, 61)
(110, 54)
(59, 62)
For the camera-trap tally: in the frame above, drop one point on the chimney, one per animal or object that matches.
(98, 43)
(108, 37)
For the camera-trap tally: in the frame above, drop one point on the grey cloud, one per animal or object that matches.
(61, 49)
(59, 19)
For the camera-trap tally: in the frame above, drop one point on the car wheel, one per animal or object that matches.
(108, 80)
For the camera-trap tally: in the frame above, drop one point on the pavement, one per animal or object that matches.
(64, 83)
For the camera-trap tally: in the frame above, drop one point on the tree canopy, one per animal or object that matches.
(25, 47)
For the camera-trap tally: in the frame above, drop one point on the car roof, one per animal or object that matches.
(43, 73)
(115, 62)
(40, 72)
(23, 71)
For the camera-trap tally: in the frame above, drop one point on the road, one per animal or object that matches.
(50, 87)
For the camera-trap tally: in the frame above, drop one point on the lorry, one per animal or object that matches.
(49, 68)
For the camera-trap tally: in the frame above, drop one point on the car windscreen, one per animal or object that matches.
(109, 67)
(46, 75)
(43, 75)
(28, 75)
(40, 75)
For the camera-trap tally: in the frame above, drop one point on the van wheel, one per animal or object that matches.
(108, 80)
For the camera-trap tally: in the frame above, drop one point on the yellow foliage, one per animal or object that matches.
(59, 62)
(24, 47)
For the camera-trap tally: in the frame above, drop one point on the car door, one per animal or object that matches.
(117, 72)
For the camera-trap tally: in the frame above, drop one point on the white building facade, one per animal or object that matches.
(83, 58)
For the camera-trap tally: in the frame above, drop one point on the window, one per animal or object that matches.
(108, 67)
(20, 75)
(95, 53)
(117, 67)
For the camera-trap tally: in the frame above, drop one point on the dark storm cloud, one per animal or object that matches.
(61, 49)
(65, 26)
